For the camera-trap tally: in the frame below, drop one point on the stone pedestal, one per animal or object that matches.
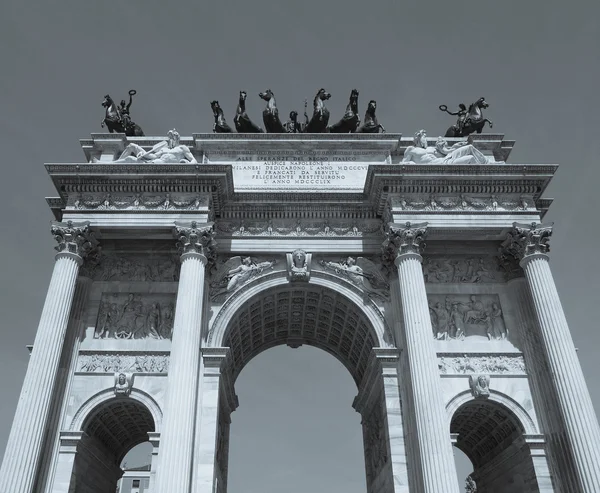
(177, 442)
(435, 458)
(26, 441)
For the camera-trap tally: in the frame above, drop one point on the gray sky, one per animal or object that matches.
(535, 62)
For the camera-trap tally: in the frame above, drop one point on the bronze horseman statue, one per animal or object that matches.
(350, 121)
(242, 121)
(468, 121)
(117, 119)
(220, 125)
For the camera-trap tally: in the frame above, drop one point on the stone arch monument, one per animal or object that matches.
(429, 281)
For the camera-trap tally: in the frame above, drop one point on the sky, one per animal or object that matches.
(535, 62)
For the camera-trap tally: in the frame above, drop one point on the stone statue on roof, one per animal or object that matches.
(460, 153)
(166, 152)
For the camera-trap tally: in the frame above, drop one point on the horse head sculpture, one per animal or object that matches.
(320, 119)
(271, 113)
(220, 125)
(350, 121)
(371, 125)
(242, 121)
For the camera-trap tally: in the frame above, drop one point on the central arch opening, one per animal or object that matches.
(328, 321)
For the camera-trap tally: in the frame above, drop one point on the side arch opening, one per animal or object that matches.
(493, 439)
(110, 431)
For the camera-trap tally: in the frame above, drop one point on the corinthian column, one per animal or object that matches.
(25, 442)
(529, 243)
(174, 471)
(435, 461)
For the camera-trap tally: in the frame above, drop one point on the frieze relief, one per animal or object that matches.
(460, 269)
(118, 363)
(109, 267)
(137, 202)
(462, 202)
(368, 276)
(324, 228)
(135, 316)
(486, 365)
(462, 316)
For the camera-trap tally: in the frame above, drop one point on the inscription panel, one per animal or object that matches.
(306, 170)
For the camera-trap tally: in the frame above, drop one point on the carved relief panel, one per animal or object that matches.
(375, 442)
(135, 316)
(462, 316)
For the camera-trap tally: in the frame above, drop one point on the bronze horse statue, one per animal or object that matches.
(473, 121)
(242, 121)
(350, 121)
(371, 125)
(271, 119)
(320, 119)
(220, 125)
(117, 122)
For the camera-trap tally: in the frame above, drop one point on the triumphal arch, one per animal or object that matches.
(424, 270)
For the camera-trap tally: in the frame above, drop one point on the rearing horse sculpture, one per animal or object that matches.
(371, 125)
(271, 119)
(220, 125)
(241, 120)
(320, 119)
(115, 122)
(350, 121)
(473, 121)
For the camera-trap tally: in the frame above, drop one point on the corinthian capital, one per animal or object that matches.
(74, 238)
(527, 239)
(194, 239)
(401, 240)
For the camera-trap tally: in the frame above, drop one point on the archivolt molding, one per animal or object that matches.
(216, 332)
(527, 423)
(107, 395)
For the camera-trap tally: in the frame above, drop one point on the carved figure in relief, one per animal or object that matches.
(470, 485)
(271, 113)
(298, 265)
(320, 118)
(123, 383)
(134, 320)
(236, 272)
(459, 153)
(363, 273)
(220, 125)
(460, 270)
(480, 386)
(371, 125)
(473, 121)
(168, 151)
(351, 120)
(440, 320)
(241, 120)
(455, 319)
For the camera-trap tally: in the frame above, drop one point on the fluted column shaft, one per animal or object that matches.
(176, 443)
(580, 421)
(435, 449)
(25, 442)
